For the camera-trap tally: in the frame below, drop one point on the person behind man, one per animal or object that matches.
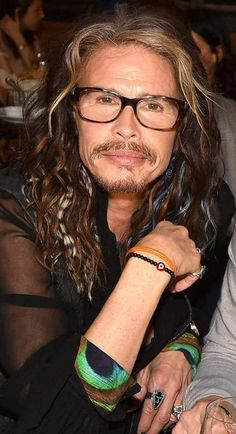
(220, 66)
(116, 187)
(215, 51)
(217, 370)
(20, 21)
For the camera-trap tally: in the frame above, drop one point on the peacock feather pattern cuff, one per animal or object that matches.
(189, 345)
(104, 380)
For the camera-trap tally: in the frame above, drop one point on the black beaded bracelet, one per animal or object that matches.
(159, 265)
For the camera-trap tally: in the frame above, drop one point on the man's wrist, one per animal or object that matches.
(189, 344)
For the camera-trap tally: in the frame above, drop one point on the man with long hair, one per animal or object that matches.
(114, 200)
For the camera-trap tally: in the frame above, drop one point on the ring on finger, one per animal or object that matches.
(200, 273)
(177, 411)
(157, 397)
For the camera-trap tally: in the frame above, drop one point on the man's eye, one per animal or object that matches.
(154, 106)
(106, 99)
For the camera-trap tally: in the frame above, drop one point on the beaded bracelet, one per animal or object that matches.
(160, 255)
(159, 265)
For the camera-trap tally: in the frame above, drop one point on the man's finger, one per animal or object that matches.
(184, 283)
(152, 421)
(147, 416)
(142, 379)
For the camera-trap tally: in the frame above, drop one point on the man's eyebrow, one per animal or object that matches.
(143, 95)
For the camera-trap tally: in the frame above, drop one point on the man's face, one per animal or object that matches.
(123, 155)
(33, 17)
(207, 56)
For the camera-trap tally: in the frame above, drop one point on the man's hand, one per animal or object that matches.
(170, 373)
(11, 27)
(175, 243)
(191, 421)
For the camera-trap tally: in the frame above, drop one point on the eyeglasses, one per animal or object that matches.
(157, 112)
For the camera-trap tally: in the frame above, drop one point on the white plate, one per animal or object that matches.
(12, 114)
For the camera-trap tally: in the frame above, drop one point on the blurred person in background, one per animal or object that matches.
(220, 67)
(216, 56)
(20, 22)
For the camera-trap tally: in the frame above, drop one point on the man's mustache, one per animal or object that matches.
(130, 146)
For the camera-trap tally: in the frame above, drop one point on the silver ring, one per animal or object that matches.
(177, 411)
(198, 250)
(157, 397)
(200, 273)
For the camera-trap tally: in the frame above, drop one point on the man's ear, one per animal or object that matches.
(219, 53)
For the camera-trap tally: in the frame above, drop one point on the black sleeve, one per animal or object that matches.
(24, 329)
(38, 340)
(38, 344)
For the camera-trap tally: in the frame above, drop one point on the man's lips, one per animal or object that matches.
(125, 157)
(117, 151)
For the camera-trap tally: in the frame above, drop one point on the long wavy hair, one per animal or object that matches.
(60, 187)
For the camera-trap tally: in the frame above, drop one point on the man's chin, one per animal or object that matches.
(121, 186)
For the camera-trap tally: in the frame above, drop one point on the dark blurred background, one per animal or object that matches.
(62, 9)
(61, 13)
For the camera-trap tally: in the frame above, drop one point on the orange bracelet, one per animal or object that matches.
(143, 248)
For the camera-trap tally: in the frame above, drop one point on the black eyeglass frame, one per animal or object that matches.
(133, 102)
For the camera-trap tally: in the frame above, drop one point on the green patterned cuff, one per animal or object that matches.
(103, 379)
(190, 346)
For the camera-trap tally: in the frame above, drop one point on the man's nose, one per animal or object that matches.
(126, 126)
